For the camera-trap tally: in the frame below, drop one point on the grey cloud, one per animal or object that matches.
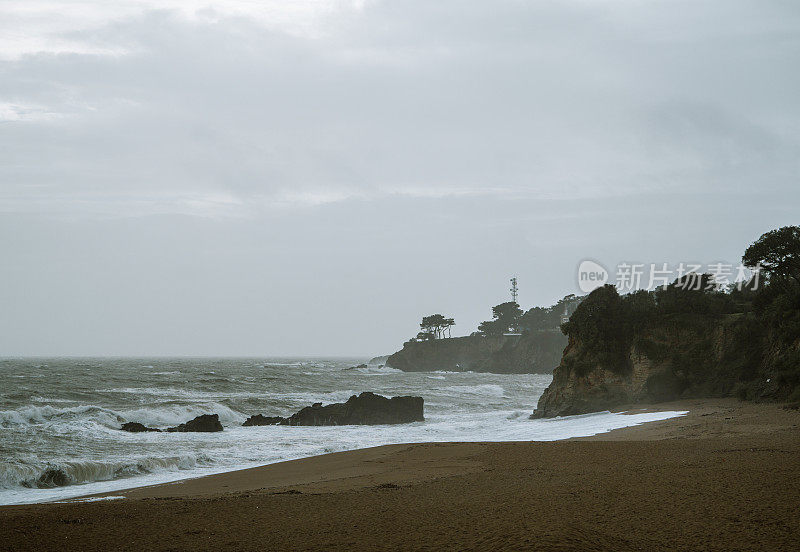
(536, 98)
(222, 183)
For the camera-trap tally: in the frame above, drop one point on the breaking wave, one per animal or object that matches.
(29, 415)
(154, 416)
(38, 475)
(482, 389)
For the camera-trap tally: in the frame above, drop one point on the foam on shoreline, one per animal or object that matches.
(313, 441)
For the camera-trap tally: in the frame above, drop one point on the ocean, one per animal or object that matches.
(65, 414)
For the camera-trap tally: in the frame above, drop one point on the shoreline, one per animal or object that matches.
(724, 476)
(570, 427)
(338, 466)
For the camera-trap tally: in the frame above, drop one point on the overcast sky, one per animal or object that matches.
(193, 177)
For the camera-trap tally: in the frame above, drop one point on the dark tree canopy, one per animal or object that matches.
(549, 318)
(777, 252)
(507, 312)
(491, 327)
(434, 326)
(506, 316)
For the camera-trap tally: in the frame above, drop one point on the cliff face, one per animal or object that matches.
(675, 359)
(537, 352)
(599, 388)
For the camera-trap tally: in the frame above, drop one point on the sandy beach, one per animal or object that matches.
(724, 477)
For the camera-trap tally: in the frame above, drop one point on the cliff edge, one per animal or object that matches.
(671, 344)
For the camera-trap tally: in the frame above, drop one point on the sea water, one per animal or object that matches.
(65, 414)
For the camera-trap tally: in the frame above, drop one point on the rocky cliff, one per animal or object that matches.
(621, 352)
(537, 352)
(638, 379)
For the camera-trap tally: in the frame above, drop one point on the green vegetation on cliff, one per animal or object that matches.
(534, 347)
(692, 338)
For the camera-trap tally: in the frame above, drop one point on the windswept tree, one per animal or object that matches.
(435, 325)
(777, 253)
(448, 323)
(506, 316)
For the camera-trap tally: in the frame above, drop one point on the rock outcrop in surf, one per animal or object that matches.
(205, 423)
(364, 409)
(261, 420)
(136, 427)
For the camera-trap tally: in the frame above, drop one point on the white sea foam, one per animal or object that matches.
(248, 447)
(90, 499)
(446, 372)
(173, 415)
(41, 414)
(378, 370)
(39, 477)
(490, 390)
(154, 416)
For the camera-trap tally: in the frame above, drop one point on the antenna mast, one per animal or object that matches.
(514, 290)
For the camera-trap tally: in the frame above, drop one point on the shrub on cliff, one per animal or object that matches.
(695, 294)
(549, 318)
(505, 317)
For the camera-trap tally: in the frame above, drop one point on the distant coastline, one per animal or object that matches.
(532, 353)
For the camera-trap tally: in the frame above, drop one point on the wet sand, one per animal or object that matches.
(724, 477)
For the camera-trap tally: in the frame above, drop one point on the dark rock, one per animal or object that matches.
(364, 409)
(136, 427)
(203, 423)
(600, 388)
(260, 420)
(53, 477)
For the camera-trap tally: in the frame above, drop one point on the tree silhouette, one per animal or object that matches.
(506, 317)
(436, 325)
(777, 253)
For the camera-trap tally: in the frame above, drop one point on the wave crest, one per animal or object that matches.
(59, 474)
(160, 416)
